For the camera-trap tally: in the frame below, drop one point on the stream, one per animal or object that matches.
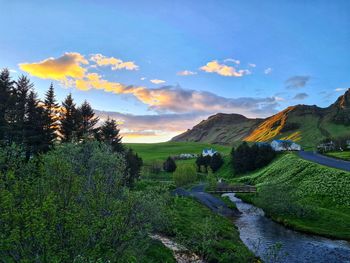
(275, 243)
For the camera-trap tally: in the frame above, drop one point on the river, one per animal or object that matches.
(275, 243)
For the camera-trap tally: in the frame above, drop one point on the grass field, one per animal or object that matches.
(340, 155)
(303, 195)
(160, 151)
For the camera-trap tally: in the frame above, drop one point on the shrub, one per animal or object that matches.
(185, 174)
(169, 165)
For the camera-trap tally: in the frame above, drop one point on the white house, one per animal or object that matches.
(285, 145)
(209, 152)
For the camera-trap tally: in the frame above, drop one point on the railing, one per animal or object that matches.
(235, 189)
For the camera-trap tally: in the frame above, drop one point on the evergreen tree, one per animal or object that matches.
(50, 118)
(21, 92)
(133, 168)
(6, 89)
(34, 135)
(199, 162)
(109, 133)
(87, 121)
(216, 162)
(169, 165)
(69, 120)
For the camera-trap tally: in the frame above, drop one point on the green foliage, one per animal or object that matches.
(185, 174)
(304, 195)
(345, 155)
(211, 236)
(109, 133)
(72, 204)
(216, 161)
(249, 158)
(169, 165)
(87, 122)
(69, 120)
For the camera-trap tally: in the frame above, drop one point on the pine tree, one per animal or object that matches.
(50, 118)
(133, 168)
(109, 133)
(6, 89)
(216, 162)
(87, 121)
(69, 120)
(21, 92)
(34, 135)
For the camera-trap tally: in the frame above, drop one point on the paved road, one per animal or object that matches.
(324, 160)
(210, 201)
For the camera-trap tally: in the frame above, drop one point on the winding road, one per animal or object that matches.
(324, 160)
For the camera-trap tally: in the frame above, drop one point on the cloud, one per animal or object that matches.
(157, 81)
(252, 65)
(143, 78)
(300, 96)
(186, 73)
(70, 65)
(224, 70)
(340, 89)
(115, 63)
(268, 71)
(297, 82)
(165, 99)
(236, 61)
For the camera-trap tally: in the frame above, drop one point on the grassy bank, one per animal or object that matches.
(212, 236)
(303, 195)
(340, 155)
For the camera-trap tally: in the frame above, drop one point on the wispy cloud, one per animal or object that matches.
(268, 71)
(297, 82)
(252, 65)
(300, 96)
(115, 63)
(236, 61)
(157, 81)
(224, 70)
(340, 89)
(186, 73)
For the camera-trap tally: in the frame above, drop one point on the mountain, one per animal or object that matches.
(302, 123)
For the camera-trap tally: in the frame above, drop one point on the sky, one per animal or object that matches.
(160, 67)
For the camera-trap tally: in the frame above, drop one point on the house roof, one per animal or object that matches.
(280, 141)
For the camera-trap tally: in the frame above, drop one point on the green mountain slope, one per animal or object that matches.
(302, 123)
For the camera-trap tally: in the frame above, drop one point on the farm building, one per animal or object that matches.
(285, 145)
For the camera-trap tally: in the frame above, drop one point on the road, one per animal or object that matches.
(210, 201)
(324, 160)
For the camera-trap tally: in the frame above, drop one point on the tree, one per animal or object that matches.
(87, 121)
(50, 118)
(22, 89)
(199, 162)
(69, 120)
(169, 165)
(243, 159)
(133, 168)
(6, 89)
(109, 133)
(34, 135)
(216, 162)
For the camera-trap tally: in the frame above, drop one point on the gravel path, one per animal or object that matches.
(324, 160)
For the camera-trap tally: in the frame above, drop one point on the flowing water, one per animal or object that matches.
(275, 243)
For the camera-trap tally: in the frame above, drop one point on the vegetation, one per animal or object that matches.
(185, 174)
(209, 235)
(72, 202)
(303, 195)
(249, 158)
(345, 155)
(214, 162)
(169, 165)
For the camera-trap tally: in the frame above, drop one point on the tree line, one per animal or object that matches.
(39, 125)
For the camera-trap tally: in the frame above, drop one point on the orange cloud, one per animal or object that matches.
(224, 70)
(115, 63)
(67, 66)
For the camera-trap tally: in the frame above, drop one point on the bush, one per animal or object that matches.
(185, 174)
(72, 203)
(169, 165)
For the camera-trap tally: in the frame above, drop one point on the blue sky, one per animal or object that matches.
(289, 52)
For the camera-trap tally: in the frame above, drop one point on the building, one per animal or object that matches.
(285, 145)
(326, 147)
(209, 152)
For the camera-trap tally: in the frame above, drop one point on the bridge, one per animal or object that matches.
(234, 189)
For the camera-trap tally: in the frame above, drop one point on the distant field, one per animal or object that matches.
(160, 151)
(340, 155)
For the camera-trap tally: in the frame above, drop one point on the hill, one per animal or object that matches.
(302, 123)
